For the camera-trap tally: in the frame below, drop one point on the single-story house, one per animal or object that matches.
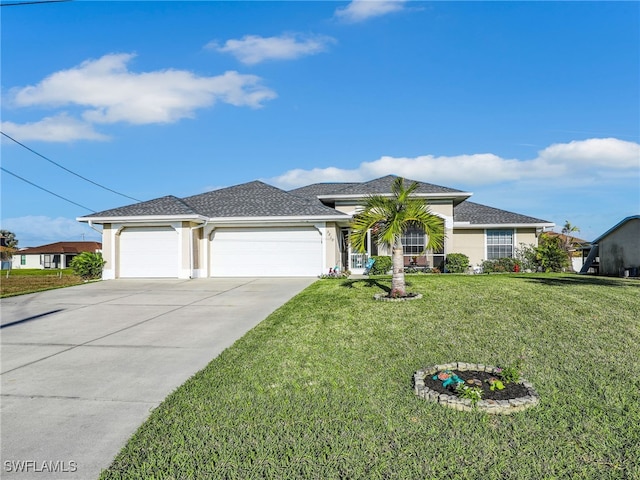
(52, 255)
(255, 229)
(617, 251)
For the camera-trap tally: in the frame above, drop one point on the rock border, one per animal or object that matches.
(494, 407)
(384, 298)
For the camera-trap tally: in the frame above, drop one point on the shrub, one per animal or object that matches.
(340, 275)
(457, 263)
(88, 265)
(551, 255)
(526, 255)
(382, 266)
(501, 265)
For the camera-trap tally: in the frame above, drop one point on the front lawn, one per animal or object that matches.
(30, 280)
(322, 389)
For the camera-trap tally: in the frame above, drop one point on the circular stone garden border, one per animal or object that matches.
(384, 297)
(495, 407)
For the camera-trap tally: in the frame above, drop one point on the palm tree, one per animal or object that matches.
(388, 218)
(567, 230)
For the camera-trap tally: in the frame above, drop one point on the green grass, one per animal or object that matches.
(31, 280)
(322, 389)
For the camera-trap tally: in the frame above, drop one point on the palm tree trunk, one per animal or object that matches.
(398, 286)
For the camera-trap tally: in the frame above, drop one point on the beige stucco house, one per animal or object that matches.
(255, 229)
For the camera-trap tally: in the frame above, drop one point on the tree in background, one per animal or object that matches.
(569, 240)
(551, 255)
(388, 218)
(8, 246)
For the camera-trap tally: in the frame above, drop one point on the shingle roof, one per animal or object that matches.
(379, 186)
(62, 247)
(256, 199)
(317, 189)
(168, 205)
(475, 213)
(383, 185)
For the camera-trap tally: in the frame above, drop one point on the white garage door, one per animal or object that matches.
(149, 252)
(266, 252)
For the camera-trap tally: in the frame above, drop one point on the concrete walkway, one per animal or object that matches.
(82, 367)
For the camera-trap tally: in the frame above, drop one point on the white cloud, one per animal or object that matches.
(600, 152)
(253, 49)
(35, 230)
(59, 128)
(576, 162)
(361, 10)
(112, 93)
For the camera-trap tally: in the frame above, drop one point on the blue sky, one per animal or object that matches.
(532, 106)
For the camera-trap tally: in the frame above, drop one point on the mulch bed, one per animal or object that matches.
(511, 390)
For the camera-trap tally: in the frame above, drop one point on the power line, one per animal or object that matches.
(67, 170)
(33, 2)
(44, 189)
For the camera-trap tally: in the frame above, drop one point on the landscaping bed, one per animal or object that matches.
(476, 386)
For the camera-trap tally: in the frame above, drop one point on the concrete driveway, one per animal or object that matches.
(82, 367)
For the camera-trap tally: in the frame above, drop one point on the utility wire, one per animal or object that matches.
(34, 2)
(48, 191)
(67, 170)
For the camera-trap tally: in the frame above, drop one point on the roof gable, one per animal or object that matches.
(477, 214)
(378, 186)
(168, 205)
(381, 186)
(255, 199)
(616, 227)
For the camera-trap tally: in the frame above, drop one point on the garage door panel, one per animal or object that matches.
(149, 252)
(266, 252)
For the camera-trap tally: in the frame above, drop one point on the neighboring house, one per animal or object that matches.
(52, 255)
(255, 229)
(617, 251)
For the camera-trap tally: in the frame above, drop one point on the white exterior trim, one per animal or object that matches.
(361, 196)
(498, 226)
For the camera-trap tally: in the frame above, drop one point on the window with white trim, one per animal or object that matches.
(413, 241)
(499, 244)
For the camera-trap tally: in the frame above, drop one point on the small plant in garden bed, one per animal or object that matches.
(486, 385)
(472, 393)
(511, 373)
(339, 274)
(495, 383)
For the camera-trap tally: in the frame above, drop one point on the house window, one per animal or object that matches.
(499, 244)
(413, 241)
(23, 259)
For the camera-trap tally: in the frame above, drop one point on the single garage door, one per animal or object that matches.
(266, 252)
(149, 252)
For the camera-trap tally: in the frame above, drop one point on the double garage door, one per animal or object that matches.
(266, 252)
